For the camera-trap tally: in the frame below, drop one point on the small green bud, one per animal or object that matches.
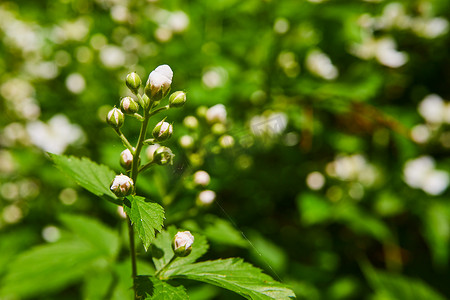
(162, 131)
(163, 156)
(129, 106)
(177, 99)
(133, 82)
(122, 186)
(158, 83)
(115, 118)
(182, 243)
(126, 159)
(145, 101)
(190, 122)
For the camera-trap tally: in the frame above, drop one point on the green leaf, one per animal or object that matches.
(437, 232)
(149, 287)
(93, 177)
(48, 268)
(145, 216)
(162, 251)
(236, 275)
(395, 286)
(95, 233)
(223, 232)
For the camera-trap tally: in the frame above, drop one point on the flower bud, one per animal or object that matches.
(129, 106)
(162, 131)
(182, 243)
(186, 141)
(122, 185)
(205, 198)
(201, 178)
(133, 82)
(158, 83)
(115, 118)
(177, 99)
(126, 159)
(150, 151)
(163, 156)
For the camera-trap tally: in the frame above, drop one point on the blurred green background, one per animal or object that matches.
(330, 171)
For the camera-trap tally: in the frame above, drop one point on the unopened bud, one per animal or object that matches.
(126, 159)
(122, 185)
(158, 83)
(115, 118)
(133, 82)
(162, 131)
(182, 243)
(163, 156)
(201, 178)
(177, 99)
(150, 151)
(129, 106)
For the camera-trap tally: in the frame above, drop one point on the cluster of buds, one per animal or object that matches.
(182, 243)
(155, 90)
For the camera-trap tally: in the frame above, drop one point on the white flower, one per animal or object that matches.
(315, 180)
(421, 173)
(122, 185)
(206, 197)
(151, 150)
(126, 159)
(216, 114)
(186, 141)
(320, 64)
(201, 178)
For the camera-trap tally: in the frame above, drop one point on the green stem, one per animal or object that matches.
(165, 266)
(140, 143)
(133, 255)
(146, 166)
(125, 142)
(159, 110)
(138, 116)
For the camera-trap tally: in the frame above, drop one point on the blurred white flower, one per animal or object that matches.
(352, 168)
(271, 124)
(112, 57)
(119, 13)
(201, 178)
(420, 133)
(12, 214)
(421, 173)
(432, 109)
(55, 135)
(320, 65)
(216, 114)
(214, 77)
(315, 180)
(206, 197)
(75, 30)
(430, 28)
(383, 49)
(281, 25)
(75, 83)
(178, 21)
(186, 141)
(51, 234)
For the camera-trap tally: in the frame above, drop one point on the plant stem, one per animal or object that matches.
(133, 255)
(140, 143)
(165, 266)
(125, 142)
(159, 110)
(146, 166)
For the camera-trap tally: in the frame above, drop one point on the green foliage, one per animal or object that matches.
(90, 175)
(145, 216)
(151, 288)
(235, 275)
(392, 286)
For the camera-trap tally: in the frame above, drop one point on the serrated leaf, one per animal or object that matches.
(91, 176)
(162, 251)
(149, 287)
(145, 216)
(395, 286)
(48, 268)
(95, 233)
(235, 275)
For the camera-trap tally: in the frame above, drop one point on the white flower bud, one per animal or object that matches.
(151, 150)
(158, 83)
(206, 197)
(162, 131)
(126, 159)
(115, 118)
(182, 243)
(122, 185)
(201, 178)
(216, 114)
